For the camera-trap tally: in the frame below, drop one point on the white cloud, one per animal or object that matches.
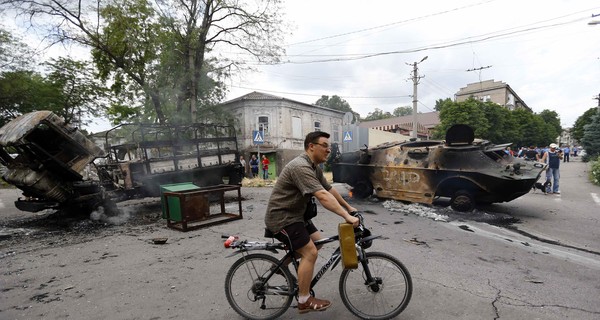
(555, 68)
(550, 67)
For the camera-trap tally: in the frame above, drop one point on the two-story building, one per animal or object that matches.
(284, 124)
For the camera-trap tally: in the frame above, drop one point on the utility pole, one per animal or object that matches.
(598, 98)
(415, 80)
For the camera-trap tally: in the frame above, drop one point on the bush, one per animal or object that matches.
(595, 172)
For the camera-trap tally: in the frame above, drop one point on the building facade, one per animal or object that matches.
(494, 91)
(283, 122)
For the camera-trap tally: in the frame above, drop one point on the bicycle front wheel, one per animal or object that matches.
(251, 295)
(386, 296)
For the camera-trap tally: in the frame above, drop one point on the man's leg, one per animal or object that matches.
(549, 179)
(556, 175)
(308, 255)
(306, 268)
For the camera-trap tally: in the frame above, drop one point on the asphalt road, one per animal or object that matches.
(537, 257)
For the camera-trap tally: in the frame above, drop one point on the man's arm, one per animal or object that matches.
(341, 200)
(329, 201)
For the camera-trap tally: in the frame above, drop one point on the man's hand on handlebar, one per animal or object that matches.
(353, 220)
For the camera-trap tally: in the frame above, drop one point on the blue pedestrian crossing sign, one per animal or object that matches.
(258, 137)
(347, 136)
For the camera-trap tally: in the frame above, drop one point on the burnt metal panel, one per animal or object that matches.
(12, 132)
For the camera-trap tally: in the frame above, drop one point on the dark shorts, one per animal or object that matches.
(296, 235)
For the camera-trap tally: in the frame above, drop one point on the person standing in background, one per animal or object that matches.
(254, 166)
(243, 163)
(552, 157)
(265, 167)
(566, 152)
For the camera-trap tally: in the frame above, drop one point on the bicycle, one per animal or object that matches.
(260, 286)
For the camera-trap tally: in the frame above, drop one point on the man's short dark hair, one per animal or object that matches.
(313, 137)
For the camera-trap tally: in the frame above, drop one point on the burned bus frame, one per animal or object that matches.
(143, 157)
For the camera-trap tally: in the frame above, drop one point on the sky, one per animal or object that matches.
(364, 53)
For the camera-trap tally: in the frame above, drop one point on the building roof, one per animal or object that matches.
(255, 95)
(427, 120)
(489, 85)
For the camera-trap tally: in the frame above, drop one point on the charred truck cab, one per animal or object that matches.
(57, 167)
(466, 170)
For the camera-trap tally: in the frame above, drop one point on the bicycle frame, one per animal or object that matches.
(244, 247)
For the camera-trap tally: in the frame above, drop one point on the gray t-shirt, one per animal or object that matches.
(298, 181)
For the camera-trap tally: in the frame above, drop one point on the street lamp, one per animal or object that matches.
(594, 22)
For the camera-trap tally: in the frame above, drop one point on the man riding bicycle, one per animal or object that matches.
(301, 179)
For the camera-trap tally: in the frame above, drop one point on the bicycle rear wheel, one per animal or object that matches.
(250, 295)
(386, 297)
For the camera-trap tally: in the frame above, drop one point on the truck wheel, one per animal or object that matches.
(462, 201)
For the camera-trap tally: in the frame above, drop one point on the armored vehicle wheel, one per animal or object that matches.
(362, 189)
(463, 201)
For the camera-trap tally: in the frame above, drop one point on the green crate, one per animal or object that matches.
(173, 202)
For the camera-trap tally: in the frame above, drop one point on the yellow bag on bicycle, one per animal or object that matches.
(347, 248)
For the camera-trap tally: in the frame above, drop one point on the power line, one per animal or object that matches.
(391, 24)
(319, 95)
(469, 40)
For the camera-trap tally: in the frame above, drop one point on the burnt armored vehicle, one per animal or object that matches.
(56, 166)
(466, 170)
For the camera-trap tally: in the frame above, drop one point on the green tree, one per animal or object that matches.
(378, 114)
(337, 103)
(553, 119)
(14, 54)
(169, 52)
(334, 102)
(533, 131)
(591, 137)
(504, 129)
(469, 112)
(77, 95)
(439, 103)
(20, 92)
(402, 111)
(69, 89)
(581, 122)
(125, 49)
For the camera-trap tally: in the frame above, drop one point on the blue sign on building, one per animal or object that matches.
(347, 136)
(258, 137)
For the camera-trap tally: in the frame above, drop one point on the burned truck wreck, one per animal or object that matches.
(466, 170)
(57, 167)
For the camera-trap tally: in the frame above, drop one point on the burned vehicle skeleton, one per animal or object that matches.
(53, 161)
(466, 170)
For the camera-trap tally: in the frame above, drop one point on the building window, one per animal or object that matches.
(317, 126)
(263, 125)
(297, 127)
(335, 133)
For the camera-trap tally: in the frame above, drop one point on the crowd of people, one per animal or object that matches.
(254, 165)
(551, 155)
